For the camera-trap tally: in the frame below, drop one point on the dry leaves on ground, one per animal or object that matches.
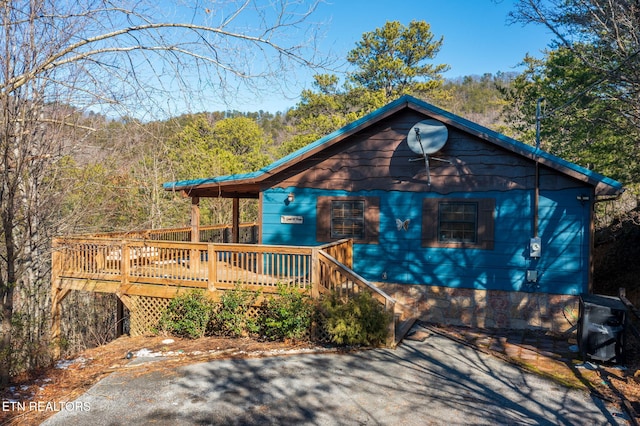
(33, 398)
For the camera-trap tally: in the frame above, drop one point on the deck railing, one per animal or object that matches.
(165, 269)
(156, 268)
(208, 233)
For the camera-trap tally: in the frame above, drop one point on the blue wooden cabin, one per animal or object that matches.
(464, 224)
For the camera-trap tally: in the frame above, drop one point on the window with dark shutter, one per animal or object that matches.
(458, 223)
(348, 217)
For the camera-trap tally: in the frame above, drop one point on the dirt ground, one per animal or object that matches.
(68, 379)
(535, 351)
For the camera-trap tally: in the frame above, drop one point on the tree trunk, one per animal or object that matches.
(7, 288)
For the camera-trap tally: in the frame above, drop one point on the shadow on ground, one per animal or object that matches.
(431, 378)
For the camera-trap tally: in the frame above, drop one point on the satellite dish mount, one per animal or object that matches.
(425, 138)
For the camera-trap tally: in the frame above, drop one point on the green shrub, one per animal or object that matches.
(286, 315)
(361, 320)
(187, 315)
(231, 317)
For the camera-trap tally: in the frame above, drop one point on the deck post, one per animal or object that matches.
(124, 300)
(195, 219)
(119, 317)
(194, 257)
(212, 265)
(57, 296)
(125, 266)
(235, 224)
(315, 274)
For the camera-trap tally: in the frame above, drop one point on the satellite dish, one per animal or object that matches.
(427, 137)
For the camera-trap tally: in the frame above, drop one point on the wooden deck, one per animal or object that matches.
(164, 269)
(146, 264)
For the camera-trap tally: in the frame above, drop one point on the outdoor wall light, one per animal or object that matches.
(290, 198)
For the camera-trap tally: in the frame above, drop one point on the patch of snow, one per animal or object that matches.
(168, 341)
(63, 364)
(173, 353)
(146, 353)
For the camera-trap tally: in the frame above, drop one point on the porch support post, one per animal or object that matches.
(119, 317)
(57, 296)
(195, 219)
(235, 230)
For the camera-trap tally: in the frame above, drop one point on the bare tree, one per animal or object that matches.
(135, 58)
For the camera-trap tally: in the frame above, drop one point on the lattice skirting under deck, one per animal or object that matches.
(145, 313)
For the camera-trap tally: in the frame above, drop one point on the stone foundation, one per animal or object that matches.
(487, 308)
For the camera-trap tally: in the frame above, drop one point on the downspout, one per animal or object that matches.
(536, 196)
(535, 246)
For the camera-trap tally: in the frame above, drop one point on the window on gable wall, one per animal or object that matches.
(458, 223)
(348, 217)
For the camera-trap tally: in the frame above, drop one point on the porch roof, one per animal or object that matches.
(248, 185)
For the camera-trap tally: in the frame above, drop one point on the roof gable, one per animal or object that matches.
(248, 184)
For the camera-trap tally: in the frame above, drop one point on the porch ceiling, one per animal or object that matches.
(223, 190)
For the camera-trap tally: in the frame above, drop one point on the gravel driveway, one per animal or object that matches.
(433, 380)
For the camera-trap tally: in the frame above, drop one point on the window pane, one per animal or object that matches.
(458, 222)
(347, 219)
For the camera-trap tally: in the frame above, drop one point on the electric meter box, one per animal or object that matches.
(535, 247)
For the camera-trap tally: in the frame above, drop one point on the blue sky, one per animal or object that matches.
(477, 37)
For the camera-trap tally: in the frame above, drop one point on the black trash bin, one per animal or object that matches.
(601, 328)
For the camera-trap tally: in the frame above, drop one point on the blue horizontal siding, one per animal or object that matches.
(400, 258)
